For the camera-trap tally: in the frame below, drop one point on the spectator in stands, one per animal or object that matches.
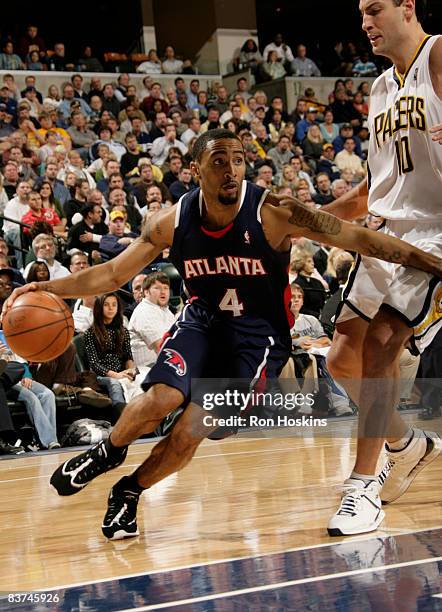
(38, 213)
(161, 146)
(339, 187)
(151, 319)
(108, 349)
(192, 131)
(43, 246)
(4, 199)
(15, 209)
(265, 178)
(328, 316)
(86, 234)
(212, 122)
(147, 104)
(75, 164)
(303, 66)
(82, 137)
(192, 93)
(30, 81)
(89, 63)
(272, 68)
(345, 132)
(314, 292)
(252, 161)
(10, 60)
(105, 137)
(47, 124)
(175, 165)
(143, 138)
(61, 194)
(30, 97)
(117, 240)
(68, 97)
(281, 154)
(303, 125)
(76, 204)
(53, 99)
(250, 57)
(296, 162)
(38, 271)
(130, 159)
(283, 51)
(183, 107)
(348, 160)
(276, 126)
(152, 65)
(31, 41)
(312, 144)
(182, 185)
(11, 373)
(48, 199)
(323, 186)
(137, 293)
(363, 67)
(329, 129)
(58, 60)
(343, 109)
(25, 171)
(170, 64)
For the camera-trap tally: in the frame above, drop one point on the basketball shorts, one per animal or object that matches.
(199, 346)
(415, 296)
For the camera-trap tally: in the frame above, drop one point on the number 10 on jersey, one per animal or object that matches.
(403, 155)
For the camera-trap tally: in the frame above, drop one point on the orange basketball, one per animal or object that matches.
(39, 326)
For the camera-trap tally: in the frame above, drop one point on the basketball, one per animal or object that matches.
(39, 326)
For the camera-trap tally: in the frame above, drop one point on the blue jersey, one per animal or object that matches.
(234, 271)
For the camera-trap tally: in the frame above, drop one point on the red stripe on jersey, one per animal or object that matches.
(219, 233)
(163, 339)
(287, 302)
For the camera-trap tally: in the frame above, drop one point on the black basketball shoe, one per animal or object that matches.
(120, 520)
(74, 474)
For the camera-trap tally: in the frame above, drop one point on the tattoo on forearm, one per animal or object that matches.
(315, 220)
(393, 256)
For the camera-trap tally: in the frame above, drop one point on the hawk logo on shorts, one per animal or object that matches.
(175, 361)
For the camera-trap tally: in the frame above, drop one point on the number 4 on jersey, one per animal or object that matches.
(230, 302)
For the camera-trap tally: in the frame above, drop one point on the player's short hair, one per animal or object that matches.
(153, 278)
(217, 134)
(421, 8)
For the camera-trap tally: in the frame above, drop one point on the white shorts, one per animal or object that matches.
(415, 296)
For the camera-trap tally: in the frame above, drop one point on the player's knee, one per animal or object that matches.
(160, 399)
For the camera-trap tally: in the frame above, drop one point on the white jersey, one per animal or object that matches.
(405, 165)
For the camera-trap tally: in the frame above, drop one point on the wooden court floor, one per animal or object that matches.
(254, 496)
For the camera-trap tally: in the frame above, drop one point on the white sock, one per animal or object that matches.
(402, 443)
(365, 477)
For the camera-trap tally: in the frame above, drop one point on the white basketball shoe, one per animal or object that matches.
(402, 467)
(360, 510)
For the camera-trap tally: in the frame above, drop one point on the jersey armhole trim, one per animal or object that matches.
(260, 203)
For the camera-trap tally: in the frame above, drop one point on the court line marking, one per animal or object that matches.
(355, 539)
(257, 452)
(281, 585)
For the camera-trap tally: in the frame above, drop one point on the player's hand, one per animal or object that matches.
(436, 130)
(26, 383)
(16, 293)
(276, 200)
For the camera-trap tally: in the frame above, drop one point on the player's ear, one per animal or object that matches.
(195, 170)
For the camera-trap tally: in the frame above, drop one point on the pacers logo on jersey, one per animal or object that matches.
(433, 315)
(408, 112)
(175, 361)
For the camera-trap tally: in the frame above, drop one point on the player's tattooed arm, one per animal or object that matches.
(313, 219)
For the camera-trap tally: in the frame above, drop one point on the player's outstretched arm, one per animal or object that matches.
(156, 235)
(295, 219)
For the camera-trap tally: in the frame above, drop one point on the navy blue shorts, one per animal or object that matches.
(198, 346)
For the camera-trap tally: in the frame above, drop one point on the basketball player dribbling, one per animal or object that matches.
(385, 307)
(232, 248)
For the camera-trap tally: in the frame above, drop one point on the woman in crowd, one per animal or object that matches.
(335, 257)
(249, 56)
(329, 129)
(314, 290)
(312, 143)
(272, 68)
(107, 345)
(38, 272)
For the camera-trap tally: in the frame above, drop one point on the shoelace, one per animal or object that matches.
(350, 501)
(121, 499)
(385, 471)
(96, 454)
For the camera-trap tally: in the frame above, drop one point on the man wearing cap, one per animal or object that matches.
(253, 162)
(345, 132)
(326, 162)
(117, 240)
(86, 234)
(303, 125)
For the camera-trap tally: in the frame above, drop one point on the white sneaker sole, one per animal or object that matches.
(335, 531)
(121, 535)
(423, 463)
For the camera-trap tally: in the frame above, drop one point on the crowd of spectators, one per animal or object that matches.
(83, 169)
(278, 60)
